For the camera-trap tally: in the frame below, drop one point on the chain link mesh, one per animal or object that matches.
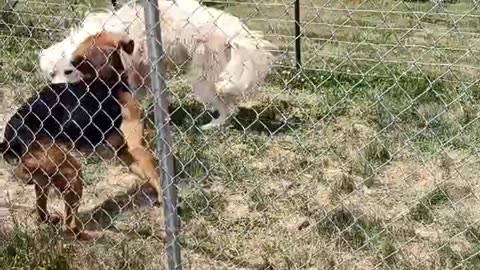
(366, 157)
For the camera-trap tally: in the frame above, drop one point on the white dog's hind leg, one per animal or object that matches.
(225, 110)
(205, 93)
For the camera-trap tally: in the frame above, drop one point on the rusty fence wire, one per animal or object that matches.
(365, 156)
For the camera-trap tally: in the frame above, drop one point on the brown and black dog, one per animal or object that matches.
(89, 55)
(95, 114)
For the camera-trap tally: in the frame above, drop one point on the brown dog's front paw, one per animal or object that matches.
(83, 235)
(50, 219)
(151, 194)
(55, 219)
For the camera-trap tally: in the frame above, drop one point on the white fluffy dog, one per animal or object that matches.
(224, 57)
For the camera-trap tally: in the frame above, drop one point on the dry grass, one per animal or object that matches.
(365, 159)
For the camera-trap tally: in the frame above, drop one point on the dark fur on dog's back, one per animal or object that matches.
(80, 114)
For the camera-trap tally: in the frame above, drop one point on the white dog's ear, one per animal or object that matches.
(203, 33)
(233, 44)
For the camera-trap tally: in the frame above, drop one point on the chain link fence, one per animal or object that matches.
(365, 156)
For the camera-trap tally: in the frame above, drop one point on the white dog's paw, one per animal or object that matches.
(212, 125)
(218, 123)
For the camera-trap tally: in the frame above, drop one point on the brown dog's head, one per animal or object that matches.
(99, 56)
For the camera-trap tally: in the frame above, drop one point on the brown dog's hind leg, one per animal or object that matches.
(72, 202)
(52, 166)
(41, 206)
(36, 168)
(139, 157)
(70, 184)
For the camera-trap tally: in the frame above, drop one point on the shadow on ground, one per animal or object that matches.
(259, 119)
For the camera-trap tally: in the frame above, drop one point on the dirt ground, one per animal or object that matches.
(367, 158)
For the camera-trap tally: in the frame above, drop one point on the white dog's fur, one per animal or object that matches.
(226, 58)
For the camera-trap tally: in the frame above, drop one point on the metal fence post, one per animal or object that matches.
(298, 42)
(164, 141)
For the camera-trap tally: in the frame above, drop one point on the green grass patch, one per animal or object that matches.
(348, 230)
(423, 211)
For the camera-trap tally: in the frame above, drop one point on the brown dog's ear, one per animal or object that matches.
(80, 63)
(127, 45)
